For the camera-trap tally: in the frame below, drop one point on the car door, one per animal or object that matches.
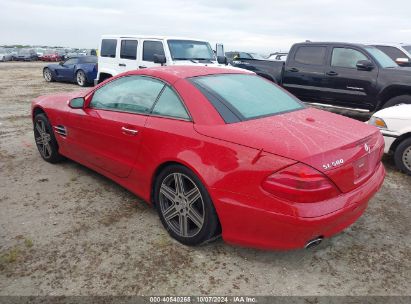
(107, 133)
(304, 74)
(65, 71)
(128, 55)
(168, 126)
(150, 48)
(348, 85)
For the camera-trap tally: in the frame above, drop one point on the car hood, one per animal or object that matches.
(402, 111)
(59, 100)
(52, 66)
(398, 72)
(330, 143)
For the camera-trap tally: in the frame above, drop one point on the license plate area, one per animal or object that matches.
(361, 168)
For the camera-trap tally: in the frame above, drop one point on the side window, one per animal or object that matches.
(392, 52)
(313, 55)
(108, 48)
(150, 48)
(169, 104)
(128, 94)
(128, 49)
(346, 58)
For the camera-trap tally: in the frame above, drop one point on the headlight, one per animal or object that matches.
(378, 122)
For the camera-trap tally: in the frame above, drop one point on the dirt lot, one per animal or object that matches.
(66, 230)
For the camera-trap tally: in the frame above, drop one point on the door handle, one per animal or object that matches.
(332, 73)
(129, 131)
(122, 64)
(293, 70)
(142, 67)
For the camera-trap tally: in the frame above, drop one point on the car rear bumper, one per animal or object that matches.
(246, 225)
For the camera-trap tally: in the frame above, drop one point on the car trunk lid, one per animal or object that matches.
(346, 150)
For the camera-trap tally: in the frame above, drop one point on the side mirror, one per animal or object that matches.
(159, 59)
(77, 103)
(364, 65)
(61, 63)
(219, 50)
(402, 61)
(222, 60)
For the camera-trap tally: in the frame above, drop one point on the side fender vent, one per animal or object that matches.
(61, 130)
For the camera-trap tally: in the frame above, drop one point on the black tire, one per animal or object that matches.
(48, 75)
(406, 99)
(402, 156)
(46, 143)
(202, 205)
(81, 78)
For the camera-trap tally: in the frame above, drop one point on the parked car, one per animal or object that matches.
(51, 55)
(120, 53)
(238, 55)
(13, 52)
(338, 75)
(62, 53)
(395, 126)
(278, 56)
(81, 70)
(218, 150)
(40, 52)
(400, 53)
(71, 54)
(5, 55)
(26, 55)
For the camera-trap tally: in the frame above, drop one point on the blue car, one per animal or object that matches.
(81, 70)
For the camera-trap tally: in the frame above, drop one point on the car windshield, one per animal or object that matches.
(248, 96)
(190, 50)
(2, 51)
(257, 56)
(381, 58)
(49, 52)
(407, 48)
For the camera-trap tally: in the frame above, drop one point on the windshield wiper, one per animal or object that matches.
(189, 59)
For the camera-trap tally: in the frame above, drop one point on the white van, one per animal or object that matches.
(121, 53)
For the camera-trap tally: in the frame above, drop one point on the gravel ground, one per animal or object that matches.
(66, 230)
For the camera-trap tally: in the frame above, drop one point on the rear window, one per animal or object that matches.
(310, 55)
(245, 96)
(108, 48)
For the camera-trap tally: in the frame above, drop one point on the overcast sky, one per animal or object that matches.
(249, 25)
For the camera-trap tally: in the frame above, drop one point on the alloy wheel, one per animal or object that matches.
(47, 75)
(81, 79)
(182, 205)
(43, 139)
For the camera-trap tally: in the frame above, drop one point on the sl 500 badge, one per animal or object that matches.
(333, 164)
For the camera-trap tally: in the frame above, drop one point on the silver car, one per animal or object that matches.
(5, 55)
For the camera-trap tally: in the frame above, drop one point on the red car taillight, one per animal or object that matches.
(301, 184)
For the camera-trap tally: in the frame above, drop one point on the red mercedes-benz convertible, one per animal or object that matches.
(218, 151)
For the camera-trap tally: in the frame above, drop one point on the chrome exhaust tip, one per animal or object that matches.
(314, 242)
